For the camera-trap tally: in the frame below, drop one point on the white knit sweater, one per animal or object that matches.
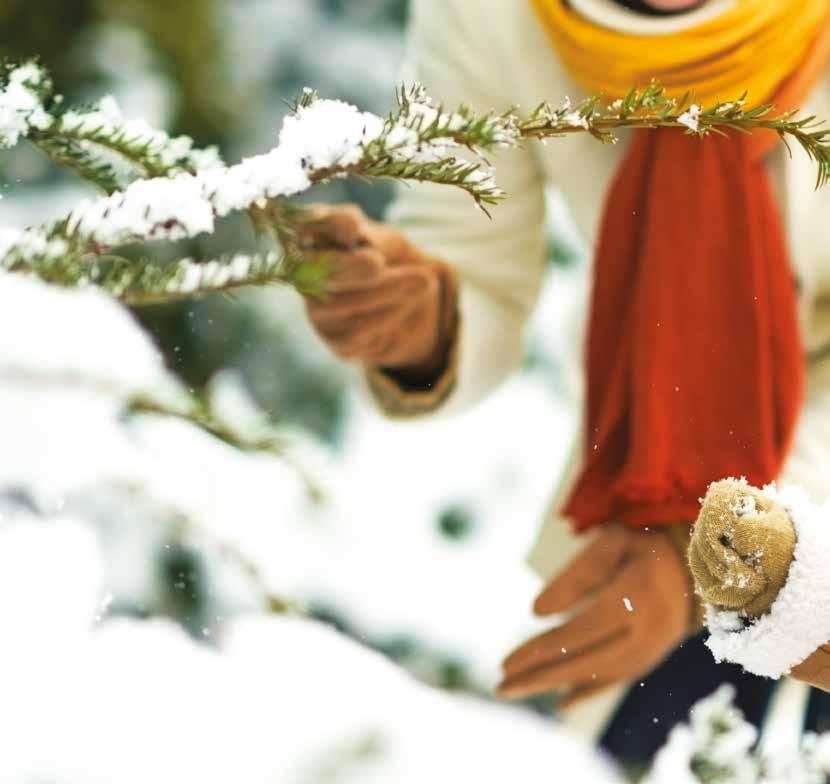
(495, 54)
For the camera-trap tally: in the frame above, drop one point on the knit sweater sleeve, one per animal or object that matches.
(457, 54)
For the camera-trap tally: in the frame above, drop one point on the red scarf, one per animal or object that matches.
(694, 360)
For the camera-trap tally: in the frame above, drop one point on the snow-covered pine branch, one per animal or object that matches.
(145, 282)
(651, 107)
(84, 422)
(162, 188)
(21, 103)
(96, 142)
(181, 192)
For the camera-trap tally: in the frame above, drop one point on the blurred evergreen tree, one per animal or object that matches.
(46, 29)
(187, 35)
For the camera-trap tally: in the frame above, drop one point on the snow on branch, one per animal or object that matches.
(181, 192)
(161, 188)
(21, 103)
(96, 142)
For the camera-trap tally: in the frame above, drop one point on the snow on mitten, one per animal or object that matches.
(741, 548)
(759, 561)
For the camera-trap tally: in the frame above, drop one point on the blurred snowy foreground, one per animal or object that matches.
(277, 699)
(93, 485)
(89, 697)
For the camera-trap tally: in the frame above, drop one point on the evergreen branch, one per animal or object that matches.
(152, 151)
(71, 155)
(652, 108)
(199, 414)
(252, 434)
(90, 142)
(145, 282)
(187, 190)
(325, 140)
(463, 126)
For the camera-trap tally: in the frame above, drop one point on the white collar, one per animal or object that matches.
(607, 13)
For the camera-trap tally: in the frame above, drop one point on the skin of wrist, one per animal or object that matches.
(679, 535)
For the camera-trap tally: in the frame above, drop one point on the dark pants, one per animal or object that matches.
(648, 712)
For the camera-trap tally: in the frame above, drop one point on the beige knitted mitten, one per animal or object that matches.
(740, 555)
(741, 548)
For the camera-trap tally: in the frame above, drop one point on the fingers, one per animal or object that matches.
(592, 568)
(400, 288)
(571, 654)
(601, 661)
(342, 227)
(346, 227)
(565, 641)
(638, 615)
(353, 270)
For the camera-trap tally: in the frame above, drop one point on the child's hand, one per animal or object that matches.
(627, 598)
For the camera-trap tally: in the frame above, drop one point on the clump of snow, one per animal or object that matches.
(745, 506)
(158, 208)
(718, 745)
(691, 118)
(49, 570)
(576, 120)
(192, 275)
(20, 104)
(799, 620)
(328, 133)
(233, 406)
(9, 237)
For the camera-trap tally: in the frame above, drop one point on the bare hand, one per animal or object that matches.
(628, 594)
(387, 304)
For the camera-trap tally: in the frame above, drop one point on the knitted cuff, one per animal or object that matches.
(679, 534)
(798, 622)
(401, 398)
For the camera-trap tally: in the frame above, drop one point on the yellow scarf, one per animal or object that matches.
(754, 47)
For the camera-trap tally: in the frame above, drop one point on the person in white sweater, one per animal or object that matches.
(433, 304)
